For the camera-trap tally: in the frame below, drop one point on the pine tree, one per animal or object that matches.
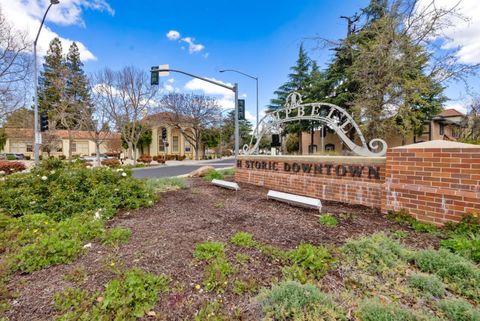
(77, 86)
(298, 80)
(52, 79)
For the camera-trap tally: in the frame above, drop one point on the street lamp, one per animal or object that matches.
(249, 76)
(165, 69)
(37, 136)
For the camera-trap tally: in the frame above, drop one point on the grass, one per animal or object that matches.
(328, 220)
(242, 239)
(219, 174)
(166, 184)
(209, 250)
(403, 217)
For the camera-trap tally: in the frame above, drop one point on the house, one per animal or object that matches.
(57, 142)
(445, 126)
(167, 138)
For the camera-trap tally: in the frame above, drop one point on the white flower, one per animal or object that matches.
(88, 166)
(2, 173)
(124, 174)
(52, 172)
(44, 178)
(150, 202)
(116, 189)
(88, 245)
(32, 202)
(119, 169)
(97, 215)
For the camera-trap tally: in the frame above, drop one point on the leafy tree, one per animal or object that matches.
(144, 137)
(228, 131)
(20, 118)
(3, 138)
(210, 138)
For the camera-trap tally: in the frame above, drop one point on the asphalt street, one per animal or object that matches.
(176, 170)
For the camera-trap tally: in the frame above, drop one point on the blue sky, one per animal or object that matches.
(257, 37)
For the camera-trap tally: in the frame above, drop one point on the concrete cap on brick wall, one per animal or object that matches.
(438, 144)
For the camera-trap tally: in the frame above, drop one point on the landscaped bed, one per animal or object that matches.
(205, 253)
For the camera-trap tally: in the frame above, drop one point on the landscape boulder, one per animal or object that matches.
(201, 172)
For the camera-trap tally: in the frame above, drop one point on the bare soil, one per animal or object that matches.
(164, 237)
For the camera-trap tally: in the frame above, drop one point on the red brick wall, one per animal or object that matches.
(336, 184)
(433, 184)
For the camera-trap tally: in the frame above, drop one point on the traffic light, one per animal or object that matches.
(241, 109)
(154, 77)
(43, 121)
(164, 134)
(276, 140)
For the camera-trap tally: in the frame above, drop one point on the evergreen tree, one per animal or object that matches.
(298, 80)
(77, 86)
(52, 79)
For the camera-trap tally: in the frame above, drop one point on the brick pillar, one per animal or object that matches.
(436, 181)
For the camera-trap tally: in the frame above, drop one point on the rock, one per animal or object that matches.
(151, 313)
(201, 172)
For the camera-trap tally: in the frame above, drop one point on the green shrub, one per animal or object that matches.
(376, 253)
(403, 217)
(293, 301)
(242, 258)
(460, 274)
(459, 310)
(227, 172)
(64, 189)
(216, 275)
(115, 236)
(427, 284)
(126, 298)
(244, 286)
(242, 239)
(166, 184)
(328, 220)
(213, 174)
(209, 250)
(211, 311)
(295, 273)
(465, 245)
(314, 259)
(373, 310)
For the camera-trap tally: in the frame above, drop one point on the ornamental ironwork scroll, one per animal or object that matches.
(332, 116)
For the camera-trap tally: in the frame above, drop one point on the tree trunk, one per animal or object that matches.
(70, 143)
(97, 153)
(134, 154)
(197, 148)
(129, 150)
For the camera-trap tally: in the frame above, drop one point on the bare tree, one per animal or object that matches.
(95, 119)
(471, 123)
(15, 66)
(191, 114)
(126, 96)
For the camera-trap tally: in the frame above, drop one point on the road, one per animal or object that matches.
(176, 170)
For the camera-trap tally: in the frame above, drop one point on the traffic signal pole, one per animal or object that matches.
(154, 81)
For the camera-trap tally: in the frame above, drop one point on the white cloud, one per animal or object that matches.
(26, 15)
(460, 106)
(249, 116)
(225, 97)
(173, 35)
(192, 46)
(464, 35)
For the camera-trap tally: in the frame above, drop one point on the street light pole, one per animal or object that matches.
(35, 79)
(256, 80)
(234, 89)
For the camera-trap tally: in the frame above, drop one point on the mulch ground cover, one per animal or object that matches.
(164, 237)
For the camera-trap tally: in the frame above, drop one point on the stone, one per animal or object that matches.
(201, 172)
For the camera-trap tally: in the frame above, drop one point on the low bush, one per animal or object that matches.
(373, 310)
(427, 284)
(213, 174)
(459, 310)
(242, 239)
(166, 184)
(376, 253)
(216, 274)
(327, 219)
(10, 167)
(402, 216)
(145, 159)
(116, 236)
(291, 300)
(126, 298)
(209, 250)
(111, 162)
(464, 237)
(314, 259)
(10, 157)
(227, 172)
(460, 274)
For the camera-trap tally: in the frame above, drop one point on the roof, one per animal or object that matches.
(450, 113)
(165, 117)
(62, 134)
(439, 144)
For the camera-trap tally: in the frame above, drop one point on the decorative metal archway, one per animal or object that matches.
(334, 117)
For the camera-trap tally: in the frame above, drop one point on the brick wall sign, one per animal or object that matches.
(355, 180)
(436, 182)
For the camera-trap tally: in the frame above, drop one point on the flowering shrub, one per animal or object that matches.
(145, 159)
(111, 162)
(10, 167)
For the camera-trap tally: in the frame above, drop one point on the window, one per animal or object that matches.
(18, 147)
(330, 147)
(442, 129)
(161, 145)
(188, 147)
(80, 148)
(175, 144)
(29, 147)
